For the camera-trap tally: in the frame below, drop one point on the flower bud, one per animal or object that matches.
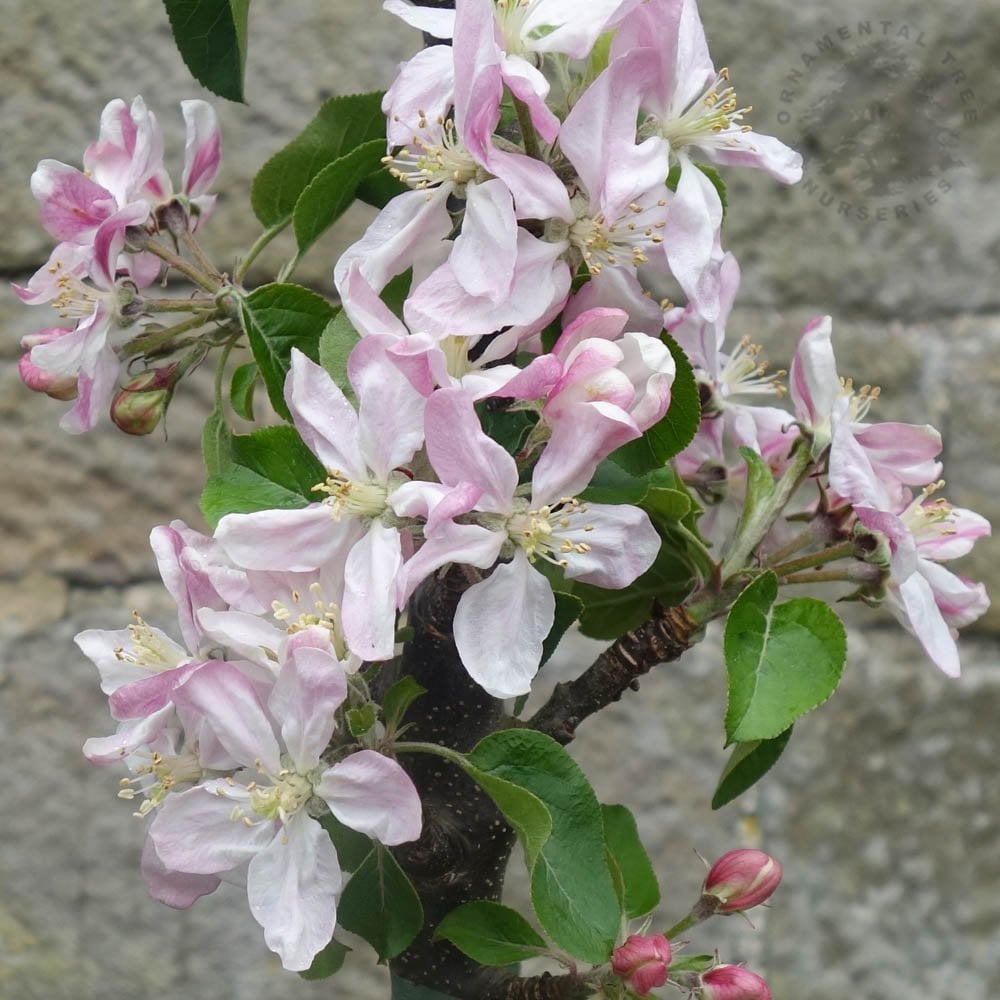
(642, 961)
(732, 982)
(141, 402)
(741, 879)
(54, 384)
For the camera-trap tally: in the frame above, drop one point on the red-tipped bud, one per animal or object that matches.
(141, 402)
(642, 961)
(732, 982)
(741, 879)
(53, 384)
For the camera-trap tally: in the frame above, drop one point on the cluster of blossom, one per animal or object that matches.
(539, 164)
(95, 274)
(237, 743)
(738, 881)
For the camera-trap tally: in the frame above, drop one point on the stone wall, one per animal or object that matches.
(884, 813)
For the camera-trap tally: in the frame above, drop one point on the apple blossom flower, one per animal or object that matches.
(741, 879)
(642, 961)
(502, 621)
(732, 982)
(355, 524)
(264, 816)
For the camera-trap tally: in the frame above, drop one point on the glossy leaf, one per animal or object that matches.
(641, 889)
(335, 346)
(783, 660)
(490, 934)
(327, 962)
(399, 698)
(241, 491)
(380, 904)
(352, 847)
(216, 444)
(340, 125)
(211, 36)
(675, 430)
(278, 454)
(278, 317)
(332, 191)
(572, 890)
(747, 764)
(241, 389)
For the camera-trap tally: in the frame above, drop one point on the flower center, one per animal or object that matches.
(744, 373)
(324, 614)
(289, 793)
(547, 533)
(510, 18)
(623, 241)
(715, 111)
(148, 649)
(74, 299)
(859, 400)
(159, 777)
(929, 520)
(347, 496)
(426, 164)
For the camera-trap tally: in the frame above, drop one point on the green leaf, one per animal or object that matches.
(693, 963)
(509, 428)
(642, 891)
(403, 989)
(335, 346)
(524, 811)
(211, 36)
(278, 454)
(381, 905)
(718, 183)
(241, 388)
(216, 444)
(352, 847)
(782, 660)
(572, 889)
(490, 934)
(327, 962)
(340, 125)
(360, 720)
(747, 764)
(399, 698)
(568, 608)
(379, 188)
(608, 614)
(278, 317)
(331, 192)
(241, 491)
(760, 485)
(674, 432)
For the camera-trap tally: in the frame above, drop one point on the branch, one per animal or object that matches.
(661, 639)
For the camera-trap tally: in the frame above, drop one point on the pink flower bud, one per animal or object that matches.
(741, 879)
(141, 402)
(54, 384)
(642, 961)
(732, 982)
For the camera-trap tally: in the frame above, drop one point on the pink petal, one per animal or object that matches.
(178, 890)
(202, 147)
(501, 624)
(292, 886)
(372, 794)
